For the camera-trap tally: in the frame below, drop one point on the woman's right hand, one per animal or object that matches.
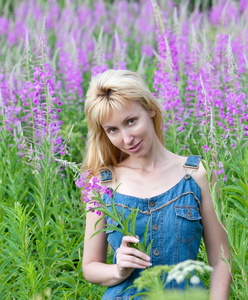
(128, 258)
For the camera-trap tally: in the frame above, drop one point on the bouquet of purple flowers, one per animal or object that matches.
(92, 193)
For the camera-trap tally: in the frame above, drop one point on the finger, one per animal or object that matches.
(129, 239)
(133, 259)
(133, 252)
(132, 262)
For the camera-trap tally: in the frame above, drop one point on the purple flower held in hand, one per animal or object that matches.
(91, 190)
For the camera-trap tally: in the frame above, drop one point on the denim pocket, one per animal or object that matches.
(187, 226)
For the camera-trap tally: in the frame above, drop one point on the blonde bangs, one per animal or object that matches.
(102, 109)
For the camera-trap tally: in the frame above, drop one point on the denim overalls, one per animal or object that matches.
(175, 227)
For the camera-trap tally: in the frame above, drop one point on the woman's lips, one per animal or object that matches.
(136, 147)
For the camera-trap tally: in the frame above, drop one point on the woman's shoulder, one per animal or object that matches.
(200, 175)
(193, 165)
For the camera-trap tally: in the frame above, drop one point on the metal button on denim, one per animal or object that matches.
(189, 214)
(152, 203)
(155, 252)
(187, 176)
(155, 227)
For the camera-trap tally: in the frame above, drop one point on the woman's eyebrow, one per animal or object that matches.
(108, 126)
(127, 118)
(124, 121)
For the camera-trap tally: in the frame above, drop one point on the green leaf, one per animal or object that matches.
(133, 221)
(236, 168)
(115, 211)
(236, 189)
(148, 250)
(99, 221)
(141, 247)
(126, 222)
(110, 227)
(145, 233)
(106, 212)
(214, 195)
(122, 214)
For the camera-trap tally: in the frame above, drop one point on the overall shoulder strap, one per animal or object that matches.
(106, 174)
(193, 161)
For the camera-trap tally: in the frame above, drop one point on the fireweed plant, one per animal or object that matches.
(92, 193)
(41, 236)
(196, 64)
(207, 82)
(214, 95)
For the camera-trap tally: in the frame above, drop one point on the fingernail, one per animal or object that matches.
(150, 264)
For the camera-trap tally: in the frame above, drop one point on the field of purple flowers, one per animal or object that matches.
(196, 64)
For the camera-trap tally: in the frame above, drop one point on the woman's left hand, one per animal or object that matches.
(128, 258)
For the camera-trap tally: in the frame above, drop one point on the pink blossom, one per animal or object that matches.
(90, 188)
(206, 148)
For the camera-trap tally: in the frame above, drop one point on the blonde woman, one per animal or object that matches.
(125, 136)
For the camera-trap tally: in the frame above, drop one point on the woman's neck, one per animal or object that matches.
(155, 158)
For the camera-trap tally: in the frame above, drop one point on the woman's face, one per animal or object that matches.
(131, 129)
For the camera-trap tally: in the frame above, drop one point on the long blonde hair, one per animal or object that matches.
(110, 90)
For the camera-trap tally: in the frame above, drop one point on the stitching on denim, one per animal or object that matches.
(176, 250)
(193, 161)
(191, 253)
(162, 206)
(161, 238)
(107, 174)
(188, 250)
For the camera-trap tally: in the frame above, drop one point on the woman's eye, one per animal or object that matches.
(111, 130)
(131, 121)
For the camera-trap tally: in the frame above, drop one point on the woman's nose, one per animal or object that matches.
(127, 137)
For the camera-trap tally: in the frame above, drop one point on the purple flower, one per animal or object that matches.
(206, 148)
(90, 189)
(72, 76)
(4, 26)
(99, 69)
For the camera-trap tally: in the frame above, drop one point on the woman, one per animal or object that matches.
(125, 134)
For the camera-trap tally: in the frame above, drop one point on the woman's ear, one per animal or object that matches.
(152, 113)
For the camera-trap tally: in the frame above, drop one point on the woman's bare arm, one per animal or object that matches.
(216, 243)
(95, 268)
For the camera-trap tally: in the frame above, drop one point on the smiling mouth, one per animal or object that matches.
(136, 147)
